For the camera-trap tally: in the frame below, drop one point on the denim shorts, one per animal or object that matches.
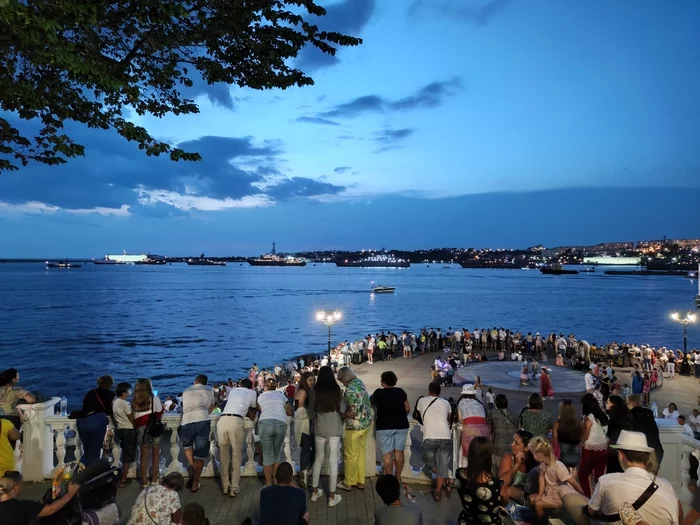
(146, 440)
(196, 436)
(272, 433)
(126, 437)
(390, 440)
(437, 453)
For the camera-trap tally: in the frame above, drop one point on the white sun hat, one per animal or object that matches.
(468, 390)
(635, 441)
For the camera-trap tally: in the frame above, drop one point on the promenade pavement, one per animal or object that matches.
(357, 507)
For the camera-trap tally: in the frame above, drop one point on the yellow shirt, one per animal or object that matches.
(7, 455)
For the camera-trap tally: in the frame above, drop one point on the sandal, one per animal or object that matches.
(449, 486)
(408, 493)
(437, 496)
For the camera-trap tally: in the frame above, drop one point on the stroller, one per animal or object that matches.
(95, 502)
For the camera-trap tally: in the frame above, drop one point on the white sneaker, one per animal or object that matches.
(332, 502)
(316, 495)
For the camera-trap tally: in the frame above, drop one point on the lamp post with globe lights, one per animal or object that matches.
(685, 321)
(329, 319)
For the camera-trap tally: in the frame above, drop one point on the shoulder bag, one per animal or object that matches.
(155, 426)
(417, 415)
(641, 500)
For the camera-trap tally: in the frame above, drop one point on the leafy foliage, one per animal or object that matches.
(91, 60)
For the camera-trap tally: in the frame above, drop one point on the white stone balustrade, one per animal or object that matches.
(50, 441)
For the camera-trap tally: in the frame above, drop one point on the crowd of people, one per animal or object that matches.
(524, 462)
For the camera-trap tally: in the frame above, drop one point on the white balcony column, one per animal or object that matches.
(172, 422)
(251, 467)
(38, 440)
(371, 453)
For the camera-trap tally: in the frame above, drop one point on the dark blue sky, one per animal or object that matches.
(457, 122)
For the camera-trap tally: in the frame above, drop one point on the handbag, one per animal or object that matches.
(155, 426)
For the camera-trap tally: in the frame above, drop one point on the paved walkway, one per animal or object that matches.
(357, 507)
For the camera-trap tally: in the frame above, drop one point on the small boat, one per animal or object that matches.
(588, 270)
(447, 267)
(557, 270)
(150, 262)
(64, 264)
(107, 262)
(691, 275)
(383, 289)
(201, 261)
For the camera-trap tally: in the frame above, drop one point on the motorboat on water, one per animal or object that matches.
(588, 270)
(556, 269)
(63, 264)
(383, 289)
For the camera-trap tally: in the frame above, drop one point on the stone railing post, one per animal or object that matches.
(371, 453)
(689, 446)
(670, 435)
(251, 467)
(37, 463)
(172, 421)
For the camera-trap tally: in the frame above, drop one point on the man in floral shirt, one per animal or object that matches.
(358, 420)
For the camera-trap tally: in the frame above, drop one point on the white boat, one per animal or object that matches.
(383, 289)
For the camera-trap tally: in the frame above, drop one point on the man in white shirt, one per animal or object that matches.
(589, 379)
(687, 430)
(197, 403)
(612, 490)
(230, 432)
(436, 447)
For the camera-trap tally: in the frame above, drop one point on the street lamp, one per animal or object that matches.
(685, 321)
(329, 318)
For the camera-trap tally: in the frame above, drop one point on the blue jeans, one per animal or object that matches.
(272, 433)
(437, 453)
(196, 436)
(92, 430)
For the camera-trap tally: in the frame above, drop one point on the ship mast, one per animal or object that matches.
(273, 252)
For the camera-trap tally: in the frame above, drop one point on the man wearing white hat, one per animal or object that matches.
(653, 498)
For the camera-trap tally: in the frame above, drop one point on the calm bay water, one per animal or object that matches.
(64, 328)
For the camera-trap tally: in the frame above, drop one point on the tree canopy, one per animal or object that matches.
(90, 61)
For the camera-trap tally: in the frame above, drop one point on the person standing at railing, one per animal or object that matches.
(91, 421)
(147, 406)
(272, 427)
(8, 435)
(230, 432)
(10, 395)
(391, 424)
(303, 420)
(328, 427)
(123, 418)
(358, 420)
(197, 403)
(436, 447)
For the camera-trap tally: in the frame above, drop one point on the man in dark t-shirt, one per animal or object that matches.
(283, 504)
(15, 511)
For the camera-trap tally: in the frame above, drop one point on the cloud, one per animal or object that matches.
(115, 178)
(478, 15)
(389, 139)
(348, 17)
(342, 169)
(429, 96)
(219, 94)
(302, 187)
(317, 120)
